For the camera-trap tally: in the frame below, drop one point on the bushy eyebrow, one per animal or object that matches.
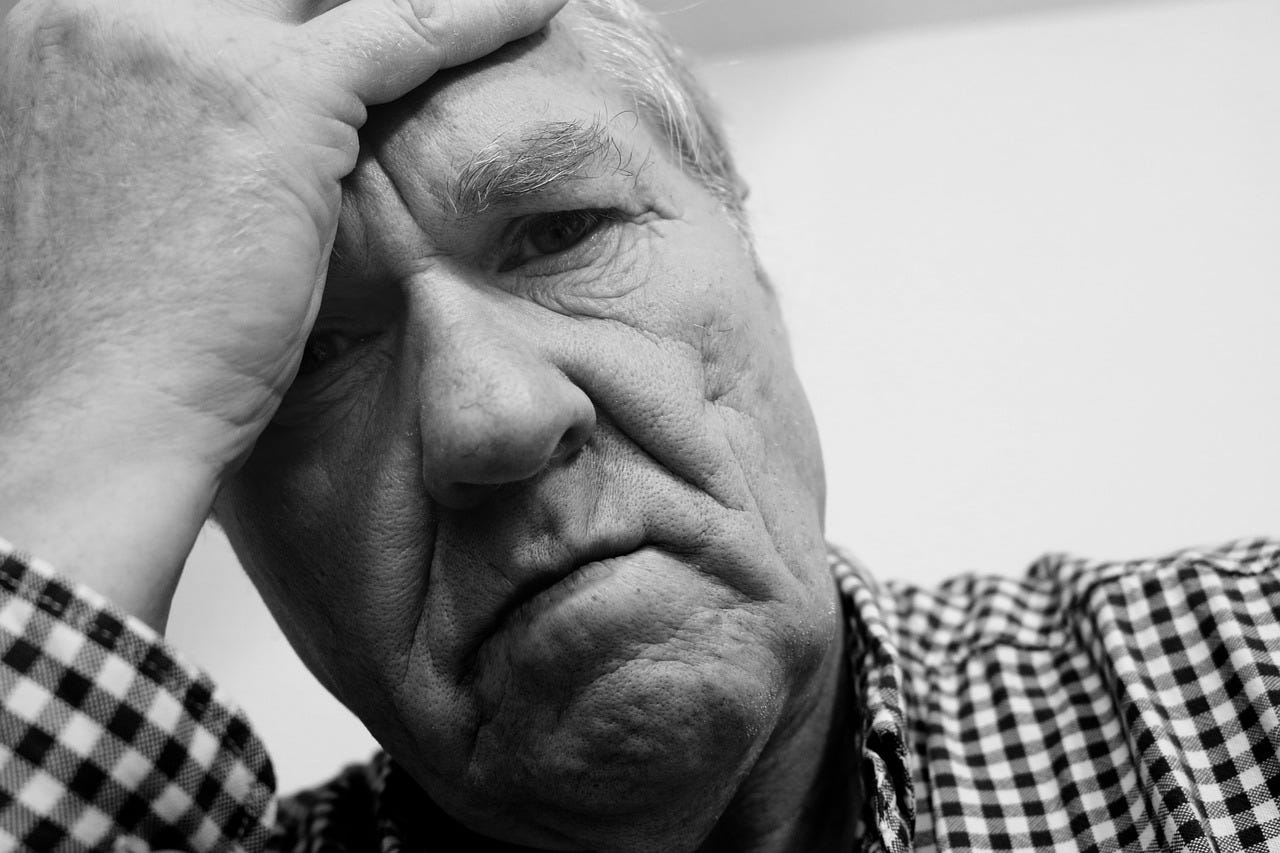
(544, 154)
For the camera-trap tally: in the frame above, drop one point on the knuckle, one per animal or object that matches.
(41, 47)
(57, 36)
(57, 27)
(421, 16)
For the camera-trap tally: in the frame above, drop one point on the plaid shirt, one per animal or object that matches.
(1089, 706)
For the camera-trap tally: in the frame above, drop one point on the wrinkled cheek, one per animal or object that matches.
(765, 419)
(336, 535)
(276, 525)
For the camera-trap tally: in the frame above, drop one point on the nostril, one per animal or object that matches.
(572, 441)
(474, 485)
(462, 496)
(498, 419)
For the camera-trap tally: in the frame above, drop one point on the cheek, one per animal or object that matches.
(695, 366)
(752, 394)
(745, 356)
(318, 523)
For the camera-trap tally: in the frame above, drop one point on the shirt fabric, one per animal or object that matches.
(1088, 706)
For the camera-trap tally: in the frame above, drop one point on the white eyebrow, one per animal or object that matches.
(545, 153)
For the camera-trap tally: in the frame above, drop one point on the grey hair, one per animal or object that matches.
(653, 71)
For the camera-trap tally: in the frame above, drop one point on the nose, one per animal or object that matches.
(494, 405)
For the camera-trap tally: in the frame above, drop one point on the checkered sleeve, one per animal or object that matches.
(108, 739)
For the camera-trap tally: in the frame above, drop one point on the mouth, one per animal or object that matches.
(543, 591)
(550, 597)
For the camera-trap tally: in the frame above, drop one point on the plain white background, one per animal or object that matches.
(1031, 265)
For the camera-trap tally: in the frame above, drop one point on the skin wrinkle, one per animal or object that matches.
(542, 541)
(685, 479)
(688, 480)
(419, 620)
(404, 652)
(718, 402)
(351, 403)
(422, 257)
(389, 176)
(625, 262)
(546, 543)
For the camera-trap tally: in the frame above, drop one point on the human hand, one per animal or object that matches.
(169, 191)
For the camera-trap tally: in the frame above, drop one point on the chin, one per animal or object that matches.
(646, 760)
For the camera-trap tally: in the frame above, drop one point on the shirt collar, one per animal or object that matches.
(887, 817)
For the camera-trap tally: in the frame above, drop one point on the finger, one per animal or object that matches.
(277, 10)
(382, 49)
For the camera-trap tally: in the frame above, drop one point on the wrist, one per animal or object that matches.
(120, 519)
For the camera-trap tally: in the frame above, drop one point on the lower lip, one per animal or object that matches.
(577, 583)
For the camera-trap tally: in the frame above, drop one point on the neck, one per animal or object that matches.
(804, 793)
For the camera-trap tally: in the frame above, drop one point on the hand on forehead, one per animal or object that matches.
(216, 133)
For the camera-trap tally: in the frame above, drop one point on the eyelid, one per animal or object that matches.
(315, 398)
(326, 372)
(519, 230)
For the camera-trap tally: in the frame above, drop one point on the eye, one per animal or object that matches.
(553, 233)
(322, 348)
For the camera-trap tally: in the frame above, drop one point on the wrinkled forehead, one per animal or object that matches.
(539, 112)
(548, 67)
(529, 88)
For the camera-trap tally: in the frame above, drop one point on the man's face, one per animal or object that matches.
(543, 506)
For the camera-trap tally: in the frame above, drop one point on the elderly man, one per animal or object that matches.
(495, 404)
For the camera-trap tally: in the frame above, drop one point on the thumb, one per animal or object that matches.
(381, 50)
